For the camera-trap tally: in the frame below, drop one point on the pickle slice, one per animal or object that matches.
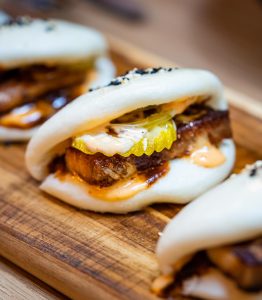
(155, 133)
(157, 139)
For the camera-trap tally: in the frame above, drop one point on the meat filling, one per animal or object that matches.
(34, 113)
(23, 85)
(197, 121)
(241, 262)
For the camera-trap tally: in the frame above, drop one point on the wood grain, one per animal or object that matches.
(19, 285)
(82, 254)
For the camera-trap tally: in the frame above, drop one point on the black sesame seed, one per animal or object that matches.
(115, 82)
(19, 21)
(128, 75)
(253, 172)
(140, 71)
(156, 70)
(50, 27)
(256, 169)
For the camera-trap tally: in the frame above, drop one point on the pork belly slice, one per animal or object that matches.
(102, 170)
(24, 87)
(242, 262)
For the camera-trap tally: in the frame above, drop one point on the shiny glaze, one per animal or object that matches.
(31, 114)
(121, 190)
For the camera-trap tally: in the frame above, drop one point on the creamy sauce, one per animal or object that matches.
(26, 115)
(179, 106)
(121, 190)
(126, 136)
(39, 91)
(206, 155)
(31, 114)
(100, 141)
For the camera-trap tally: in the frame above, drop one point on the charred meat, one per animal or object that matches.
(199, 121)
(25, 85)
(242, 262)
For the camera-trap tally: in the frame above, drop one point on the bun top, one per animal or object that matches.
(229, 213)
(34, 41)
(136, 89)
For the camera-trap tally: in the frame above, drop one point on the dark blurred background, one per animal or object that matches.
(224, 36)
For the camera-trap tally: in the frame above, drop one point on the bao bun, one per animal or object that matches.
(125, 94)
(26, 42)
(229, 213)
(34, 41)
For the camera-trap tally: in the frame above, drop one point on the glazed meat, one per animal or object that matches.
(211, 123)
(20, 86)
(31, 114)
(98, 169)
(243, 262)
(101, 170)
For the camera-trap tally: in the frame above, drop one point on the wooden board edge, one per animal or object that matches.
(27, 259)
(14, 281)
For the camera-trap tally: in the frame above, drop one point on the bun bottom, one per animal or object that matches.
(213, 285)
(105, 70)
(184, 182)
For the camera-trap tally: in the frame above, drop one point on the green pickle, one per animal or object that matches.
(161, 133)
(157, 139)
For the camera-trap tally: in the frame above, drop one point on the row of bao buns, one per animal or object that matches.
(118, 145)
(44, 65)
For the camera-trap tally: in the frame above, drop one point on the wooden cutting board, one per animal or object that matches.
(97, 256)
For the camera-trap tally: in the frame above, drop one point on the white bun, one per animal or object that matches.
(100, 106)
(174, 187)
(123, 95)
(229, 213)
(47, 41)
(213, 285)
(105, 72)
(15, 134)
